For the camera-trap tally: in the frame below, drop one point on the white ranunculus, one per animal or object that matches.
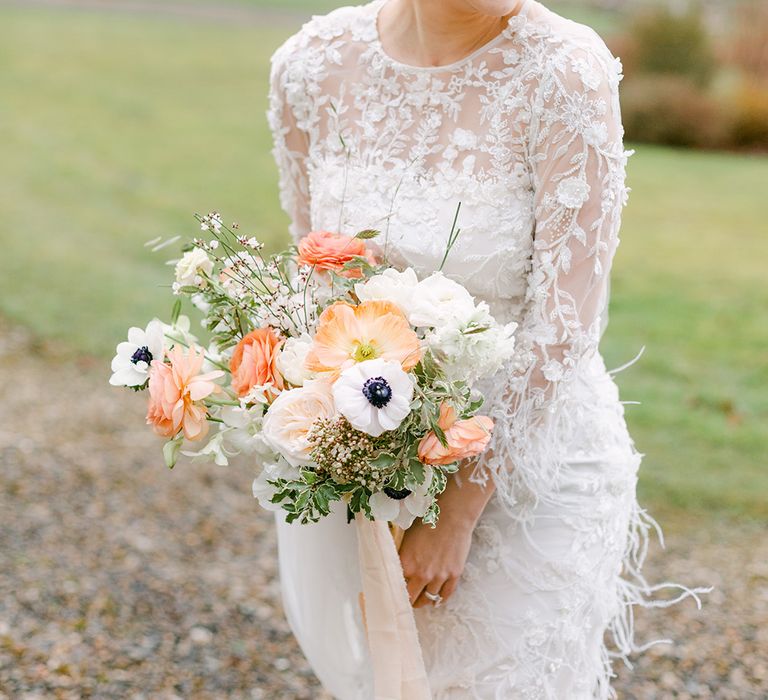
(290, 417)
(437, 300)
(374, 395)
(292, 358)
(472, 347)
(130, 366)
(190, 267)
(263, 491)
(390, 285)
(402, 511)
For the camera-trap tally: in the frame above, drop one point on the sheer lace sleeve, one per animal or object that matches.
(577, 163)
(291, 142)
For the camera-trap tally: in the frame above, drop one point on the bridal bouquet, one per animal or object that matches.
(347, 379)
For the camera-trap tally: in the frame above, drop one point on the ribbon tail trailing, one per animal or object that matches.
(398, 666)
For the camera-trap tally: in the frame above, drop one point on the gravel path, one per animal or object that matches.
(121, 579)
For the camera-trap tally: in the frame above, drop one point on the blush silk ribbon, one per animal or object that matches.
(398, 666)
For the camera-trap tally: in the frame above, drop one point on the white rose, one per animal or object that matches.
(437, 300)
(390, 285)
(190, 266)
(290, 417)
(291, 360)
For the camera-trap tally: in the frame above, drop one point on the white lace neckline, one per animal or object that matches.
(513, 23)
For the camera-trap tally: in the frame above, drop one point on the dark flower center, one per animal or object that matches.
(397, 494)
(377, 391)
(142, 355)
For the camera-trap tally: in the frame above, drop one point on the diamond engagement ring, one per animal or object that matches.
(436, 598)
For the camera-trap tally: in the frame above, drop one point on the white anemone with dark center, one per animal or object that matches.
(130, 366)
(404, 506)
(374, 395)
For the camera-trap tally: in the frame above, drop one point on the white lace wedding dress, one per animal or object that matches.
(526, 134)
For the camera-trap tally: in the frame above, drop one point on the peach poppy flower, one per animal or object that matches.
(176, 393)
(253, 362)
(331, 251)
(466, 438)
(348, 334)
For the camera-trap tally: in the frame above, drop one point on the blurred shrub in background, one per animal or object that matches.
(749, 127)
(747, 53)
(661, 42)
(748, 48)
(671, 110)
(684, 86)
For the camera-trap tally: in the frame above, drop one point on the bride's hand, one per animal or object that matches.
(433, 559)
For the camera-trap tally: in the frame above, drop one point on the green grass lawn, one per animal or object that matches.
(115, 129)
(598, 17)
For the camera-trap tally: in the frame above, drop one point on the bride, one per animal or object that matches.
(387, 116)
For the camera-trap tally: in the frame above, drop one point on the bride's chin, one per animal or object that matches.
(494, 8)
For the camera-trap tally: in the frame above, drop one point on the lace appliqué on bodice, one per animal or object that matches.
(525, 133)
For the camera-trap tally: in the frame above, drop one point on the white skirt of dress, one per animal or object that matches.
(527, 620)
(536, 598)
(320, 582)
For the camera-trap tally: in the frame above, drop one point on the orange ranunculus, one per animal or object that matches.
(331, 251)
(176, 393)
(466, 438)
(253, 362)
(347, 334)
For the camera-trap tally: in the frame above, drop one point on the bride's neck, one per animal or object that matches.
(438, 32)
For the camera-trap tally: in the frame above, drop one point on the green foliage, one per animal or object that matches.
(669, 43)
(367, 234)
(304, 500)
(671, 110)
(675, 92)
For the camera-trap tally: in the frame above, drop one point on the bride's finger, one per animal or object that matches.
(415, 585)
(433, 588)
(449, 587)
